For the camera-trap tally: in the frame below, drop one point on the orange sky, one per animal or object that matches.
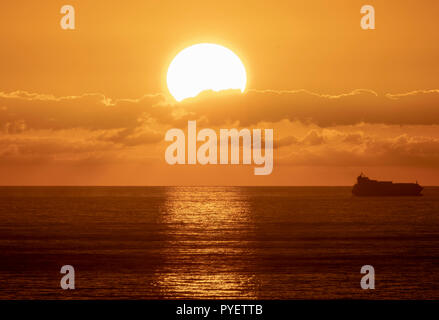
(90, 106)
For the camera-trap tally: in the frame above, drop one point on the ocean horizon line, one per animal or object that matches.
(194, 186)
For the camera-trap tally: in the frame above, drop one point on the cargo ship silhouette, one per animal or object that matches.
(371, 188)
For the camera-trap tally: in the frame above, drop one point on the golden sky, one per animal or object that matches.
(91, 107)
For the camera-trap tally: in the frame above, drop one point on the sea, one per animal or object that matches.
(217, 243)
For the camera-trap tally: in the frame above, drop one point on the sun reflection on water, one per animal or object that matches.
(207, 232)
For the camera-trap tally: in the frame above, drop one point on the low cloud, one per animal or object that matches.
(350, 129)
(96, 112)
(359, 106)
(360, 149)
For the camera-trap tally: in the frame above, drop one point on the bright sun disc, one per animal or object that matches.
(205, 66)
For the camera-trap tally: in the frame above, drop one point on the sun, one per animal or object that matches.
(205, 66)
